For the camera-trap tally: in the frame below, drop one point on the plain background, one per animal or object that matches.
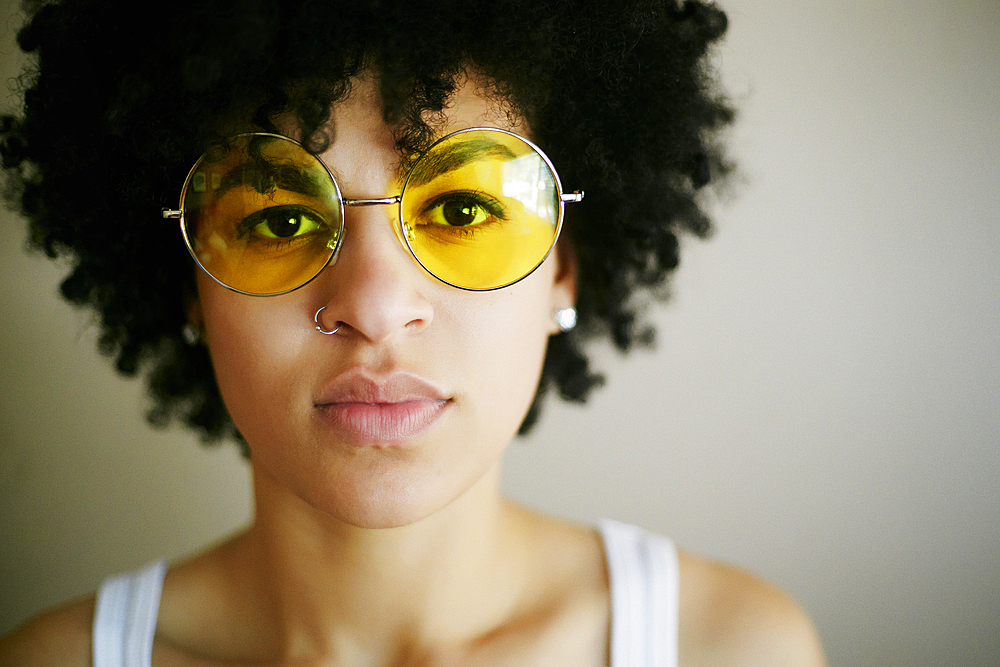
(823, 405)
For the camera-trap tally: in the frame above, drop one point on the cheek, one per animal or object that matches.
(510, 333)
(252, 347)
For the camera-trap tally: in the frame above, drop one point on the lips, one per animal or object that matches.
(367, 409)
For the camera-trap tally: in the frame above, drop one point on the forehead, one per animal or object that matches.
(472, 104)
(362, 142)
(475, 105)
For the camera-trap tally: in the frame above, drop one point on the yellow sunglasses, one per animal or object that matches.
(480, 210)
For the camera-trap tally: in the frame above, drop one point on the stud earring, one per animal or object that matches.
(565, 318)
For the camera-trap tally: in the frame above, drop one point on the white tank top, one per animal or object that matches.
(642, 568)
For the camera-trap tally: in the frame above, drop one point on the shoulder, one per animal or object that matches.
(60, 637)
(729, 616)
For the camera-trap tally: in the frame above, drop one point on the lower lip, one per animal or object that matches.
(380, 423)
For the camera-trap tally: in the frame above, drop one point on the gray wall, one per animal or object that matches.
(822, 406)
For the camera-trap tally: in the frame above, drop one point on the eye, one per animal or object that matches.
(282, 222)
(459, 212)
(462, 209)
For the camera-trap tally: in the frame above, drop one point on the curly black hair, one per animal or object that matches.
(125, 96)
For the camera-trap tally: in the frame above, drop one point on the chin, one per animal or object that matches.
(393, 499)
(378, 487)
(386, 510)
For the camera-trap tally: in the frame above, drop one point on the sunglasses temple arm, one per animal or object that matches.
(572, 197)
(170, 214)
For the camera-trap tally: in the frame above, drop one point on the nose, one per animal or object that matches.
(374, 289)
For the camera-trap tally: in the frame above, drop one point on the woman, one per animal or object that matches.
(393, 260)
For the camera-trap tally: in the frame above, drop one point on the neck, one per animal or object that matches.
(358, 595)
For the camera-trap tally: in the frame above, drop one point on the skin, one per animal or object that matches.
(404, 554)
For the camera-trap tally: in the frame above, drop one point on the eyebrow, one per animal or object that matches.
(264, 177)
(439, 162)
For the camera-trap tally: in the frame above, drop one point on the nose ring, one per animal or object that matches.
(319, 327)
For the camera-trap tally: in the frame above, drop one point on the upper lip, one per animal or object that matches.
(359, 385)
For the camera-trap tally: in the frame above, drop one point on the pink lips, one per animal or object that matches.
(385, 409)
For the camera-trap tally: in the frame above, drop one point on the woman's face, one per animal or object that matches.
(413, 400)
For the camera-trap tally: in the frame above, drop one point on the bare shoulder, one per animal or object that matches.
(57, 638)
(730, 617)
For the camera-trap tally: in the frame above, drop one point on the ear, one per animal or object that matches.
(564, 284)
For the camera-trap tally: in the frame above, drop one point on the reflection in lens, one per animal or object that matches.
(517, 204)
(528, 180)
(261, 214)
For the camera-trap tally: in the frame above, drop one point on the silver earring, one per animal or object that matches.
(565, 318)
(319, 327)
(191, 334)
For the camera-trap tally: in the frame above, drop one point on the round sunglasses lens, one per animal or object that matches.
(481, 209)
(261, 214)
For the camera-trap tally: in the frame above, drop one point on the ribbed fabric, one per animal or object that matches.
(644, 603)
(125, 618)
(644, 596)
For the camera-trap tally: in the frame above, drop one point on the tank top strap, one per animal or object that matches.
(125, 617)
(644, 580)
